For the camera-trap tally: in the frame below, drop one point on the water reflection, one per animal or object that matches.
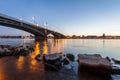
(35, 53)
(2, 73)
(45, 47)
(37, 48)
(57, 45)
(20, 62)
(12, 68)
(49, 46)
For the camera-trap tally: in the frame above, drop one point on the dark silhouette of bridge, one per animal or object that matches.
(38, 31)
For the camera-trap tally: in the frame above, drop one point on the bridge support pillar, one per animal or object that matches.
(40, 37)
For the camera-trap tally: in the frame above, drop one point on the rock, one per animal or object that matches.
(65, 61)
(94, 63)
(38, 57)
(52, 56)
(115, 70)
(70, 56)
(58, 63)
(7, 50)
(116, 60)
(4, 50)
(51, 67)
(52, 61)
(108, 59)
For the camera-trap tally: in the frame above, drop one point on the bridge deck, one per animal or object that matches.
(26, 26)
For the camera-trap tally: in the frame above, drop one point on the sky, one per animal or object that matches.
(69, 17)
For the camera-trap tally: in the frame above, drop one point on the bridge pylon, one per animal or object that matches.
(41, 37)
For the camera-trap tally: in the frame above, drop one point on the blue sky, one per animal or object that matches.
(70, 17)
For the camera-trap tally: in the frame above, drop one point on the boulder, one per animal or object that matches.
(94, 63)
(70, 56)
(38, 58)
(108, 59)
(52, 61)
(115, 70)
(65, 61)
(116, 60)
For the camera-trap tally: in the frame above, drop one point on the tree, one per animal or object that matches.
(103, 35)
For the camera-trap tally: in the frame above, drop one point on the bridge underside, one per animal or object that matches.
(39, 32)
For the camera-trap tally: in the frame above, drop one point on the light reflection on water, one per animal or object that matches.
(20, 62)
(106, 47)
(2, 75)
(45, 47)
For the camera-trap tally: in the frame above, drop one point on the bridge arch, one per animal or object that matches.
(28, 27)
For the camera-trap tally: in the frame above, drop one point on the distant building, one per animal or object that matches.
(103, 36)
(83, 36)
(68, 37)
(91, 37)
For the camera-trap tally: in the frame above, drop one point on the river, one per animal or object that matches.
(105, 47)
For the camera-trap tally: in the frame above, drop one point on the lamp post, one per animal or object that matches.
(46, 25)
(21, 21)
(33, 18)
(36, 24)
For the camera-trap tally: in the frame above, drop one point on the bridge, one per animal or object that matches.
(38, 31)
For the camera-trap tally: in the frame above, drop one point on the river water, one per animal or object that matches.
(105, 47)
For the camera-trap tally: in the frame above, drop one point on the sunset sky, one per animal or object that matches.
(70, 17)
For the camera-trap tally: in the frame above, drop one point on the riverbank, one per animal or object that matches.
(26, 68)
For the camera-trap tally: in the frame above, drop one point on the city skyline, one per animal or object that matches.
(70, 17)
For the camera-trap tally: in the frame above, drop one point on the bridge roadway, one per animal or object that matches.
(38, 31)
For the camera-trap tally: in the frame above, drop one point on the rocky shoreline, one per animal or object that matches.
(55, 62)
(7, 50)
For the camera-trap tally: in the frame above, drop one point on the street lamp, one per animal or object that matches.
(45, 25)
(33, 18)
(36, 24)
(21, 21)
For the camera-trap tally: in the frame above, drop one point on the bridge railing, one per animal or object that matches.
(18, 20)
(15, 19)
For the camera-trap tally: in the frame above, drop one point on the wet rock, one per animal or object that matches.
(51, 67)
(52, 61)
(94, 63)
(4, 50)
(70, 56)
(115, 70)
(116, 60)
(65, 61)
(7, 50)
(108, 59)
(38, 58)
